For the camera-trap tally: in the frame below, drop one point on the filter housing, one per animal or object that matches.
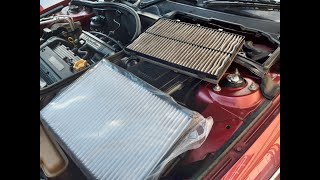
(191, 49)
(115, 126)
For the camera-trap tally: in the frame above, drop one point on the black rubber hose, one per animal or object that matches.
(116, 5)
(83, 52)
(108, 37)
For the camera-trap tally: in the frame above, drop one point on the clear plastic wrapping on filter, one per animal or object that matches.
(116, 126)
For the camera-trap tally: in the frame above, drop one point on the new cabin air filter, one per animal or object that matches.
(194, 50)
(115, 126)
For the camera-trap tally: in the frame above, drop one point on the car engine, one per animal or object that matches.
(115, 55)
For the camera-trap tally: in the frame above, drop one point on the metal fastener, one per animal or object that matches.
(234, 78)
(239, 149)
(217, 88)
(237, 72)
(253, 87)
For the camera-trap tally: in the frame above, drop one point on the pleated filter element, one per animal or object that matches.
(113, 125)
(190, 49)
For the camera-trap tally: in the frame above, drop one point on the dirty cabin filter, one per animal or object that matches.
(115, 126)
(194, 50)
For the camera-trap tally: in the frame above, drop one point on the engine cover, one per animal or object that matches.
(57, 59)
(54, 64)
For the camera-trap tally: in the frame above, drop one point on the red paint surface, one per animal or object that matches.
(228, 108)
(232, 157)
(262, 159)
(46, 9)
(84, 15)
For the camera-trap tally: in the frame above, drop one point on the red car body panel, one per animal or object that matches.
(262, 159)
(228, 108)
(47, 5)
(227, 163)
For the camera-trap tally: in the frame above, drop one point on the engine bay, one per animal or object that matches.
(216, 68)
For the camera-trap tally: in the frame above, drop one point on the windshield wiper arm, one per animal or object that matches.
(250, 1)
(253, 4)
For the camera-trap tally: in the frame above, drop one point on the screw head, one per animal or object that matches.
(239, 149)
(253, 86)
(217, 88)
